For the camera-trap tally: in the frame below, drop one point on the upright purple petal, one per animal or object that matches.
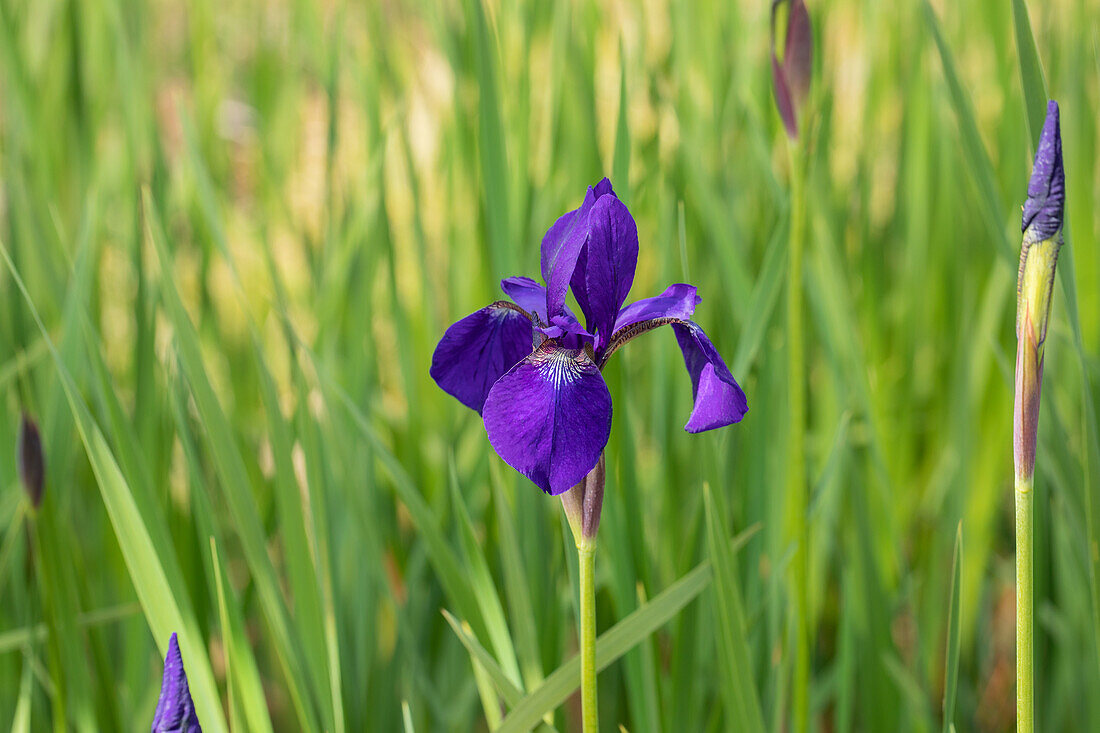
(578, 283)
(1046, 191)
(550, 417)
(561, 246)
(175, 711)
(476, 351)
(611, 256)
(719, 400)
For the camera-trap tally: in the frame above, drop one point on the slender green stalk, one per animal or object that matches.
(796, 465)
(586, 554)
(1025, 647)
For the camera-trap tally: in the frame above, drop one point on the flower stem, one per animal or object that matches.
(1025, 659)
(796, 478)
(586, 553)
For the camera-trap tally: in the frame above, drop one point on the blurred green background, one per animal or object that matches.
(245, 226)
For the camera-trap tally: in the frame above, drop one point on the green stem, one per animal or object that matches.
(1025, 647)
(586, 552)
(796, 479)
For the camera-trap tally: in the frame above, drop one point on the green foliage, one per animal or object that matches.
(244, 227)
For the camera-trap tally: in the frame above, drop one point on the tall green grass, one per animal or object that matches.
(232, 235)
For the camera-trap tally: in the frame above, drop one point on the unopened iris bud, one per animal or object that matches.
(1042, 229)
(791, 74)
(32, 463)
(175, 711)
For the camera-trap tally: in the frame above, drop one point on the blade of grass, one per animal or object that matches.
(742, 701)
(1031, 71)
(611, 645)
(951, 657)
(481, 580)
(515, 586)
(240, 663)
(977, 160)
(16, 639)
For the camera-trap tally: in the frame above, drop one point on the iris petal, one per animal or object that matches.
(562, 244)
(476, 351)
(611, 257)
(677, 301)
(550, 417)
(175, 711)
(527, 294)
(719, 400)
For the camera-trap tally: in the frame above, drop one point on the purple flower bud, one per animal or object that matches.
(791, 75)
(175, 710)
(1042, 222)
(32, 464)
(1046, 191)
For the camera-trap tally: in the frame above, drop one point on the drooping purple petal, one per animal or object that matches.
(1046, 191)
(175, 711)
(561, 246)
(611, 256)
(549, 417)
(476, 351)
(719, 400)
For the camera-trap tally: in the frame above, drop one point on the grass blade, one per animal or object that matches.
(742, 700)
(977, 159)
(951, 659)
(611, 645)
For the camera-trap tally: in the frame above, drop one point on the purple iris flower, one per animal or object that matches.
(533, 370)
(175, 710)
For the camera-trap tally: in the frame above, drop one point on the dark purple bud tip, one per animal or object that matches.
(791, 74)
(32, 463)
(1046, 191)
(175, 710)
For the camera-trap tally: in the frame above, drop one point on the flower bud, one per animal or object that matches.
(791, 74)
(32, 464)
(1042, 227)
